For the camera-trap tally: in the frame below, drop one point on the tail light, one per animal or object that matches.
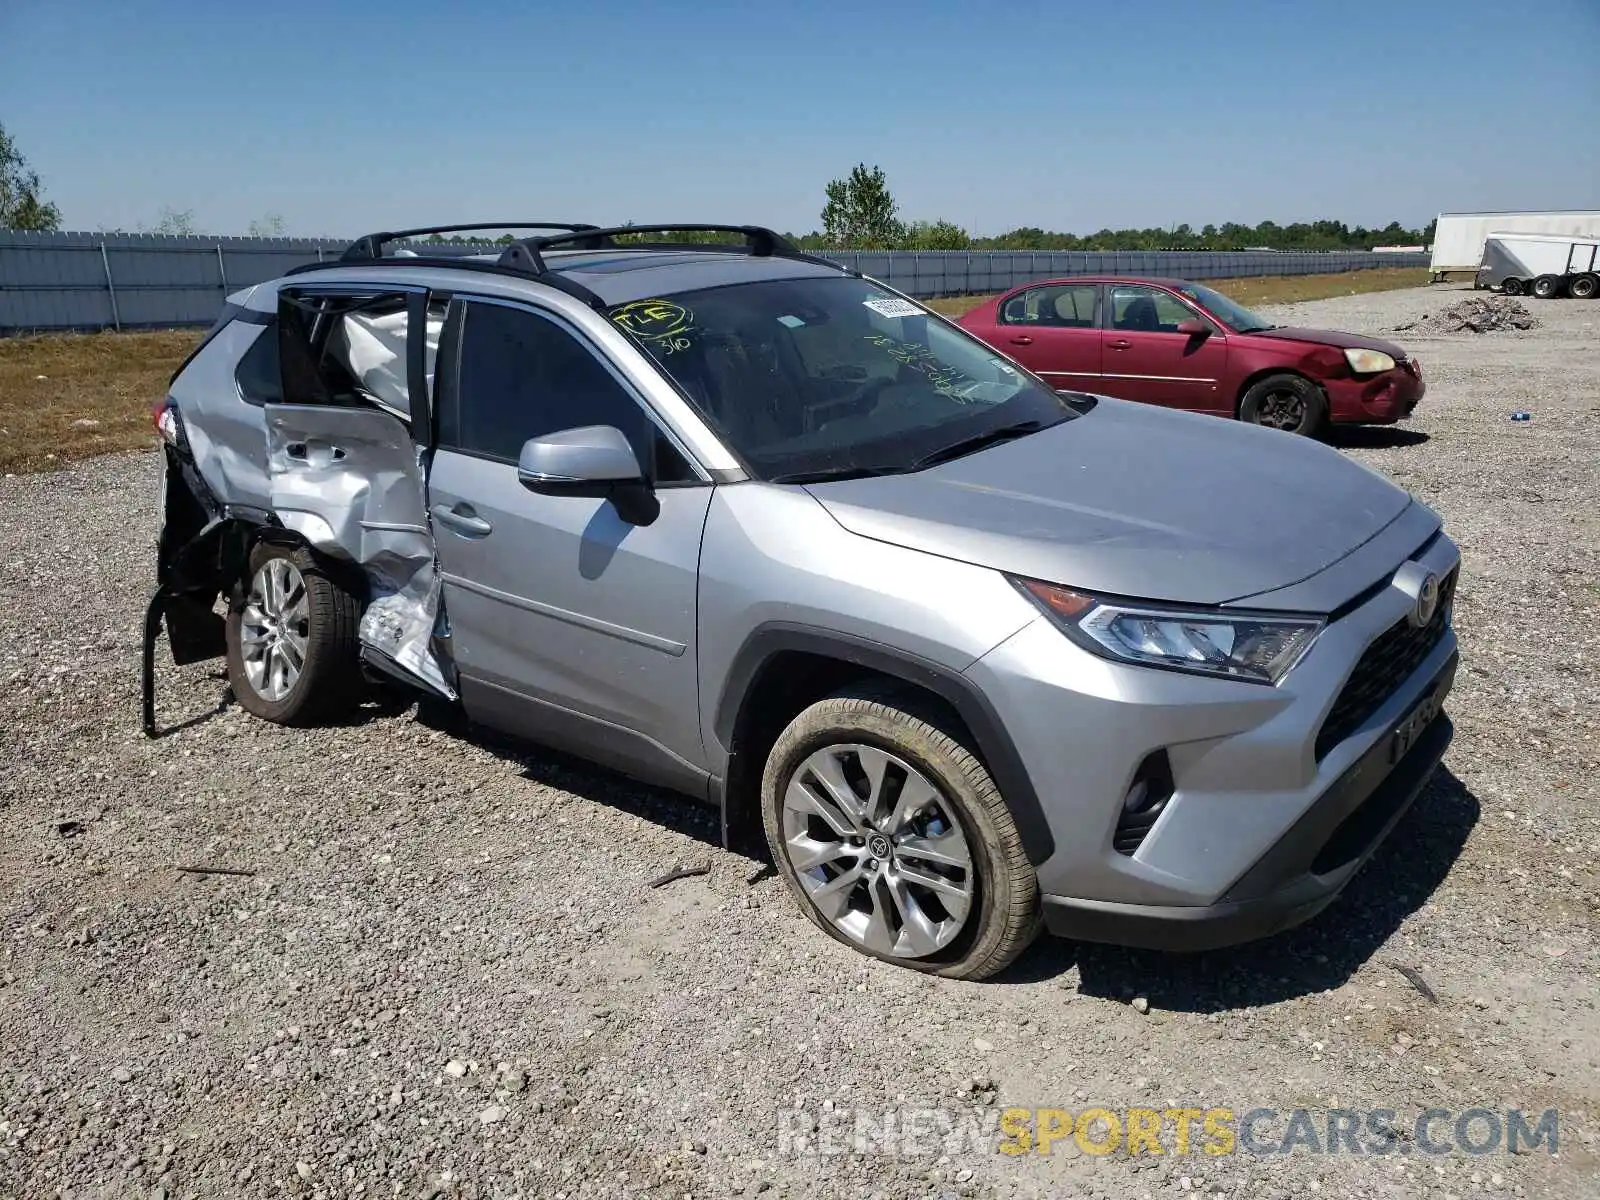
(164, 416)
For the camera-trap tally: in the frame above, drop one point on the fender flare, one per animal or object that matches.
(993, 743)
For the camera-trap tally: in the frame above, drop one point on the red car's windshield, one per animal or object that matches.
(1235, 316)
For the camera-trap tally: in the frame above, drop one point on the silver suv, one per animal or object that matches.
(977, 655)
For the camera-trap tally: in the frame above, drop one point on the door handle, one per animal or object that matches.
(461, 518)
(1120, 344)
(1022, 341)
(314, 454)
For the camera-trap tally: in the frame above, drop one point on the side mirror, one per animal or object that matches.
(592, 460)
(586, 461)
(1194, 327)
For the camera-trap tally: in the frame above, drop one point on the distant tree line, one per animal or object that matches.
(861, 214)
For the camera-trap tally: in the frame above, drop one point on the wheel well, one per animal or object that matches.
(786, 684)
(1266, 372)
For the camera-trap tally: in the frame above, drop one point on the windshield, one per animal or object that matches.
(1235, 316)
(829, 377)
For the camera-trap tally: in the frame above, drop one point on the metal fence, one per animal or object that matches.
(89, 281)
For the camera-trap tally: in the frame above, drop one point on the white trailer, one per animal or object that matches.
(1542, 264)
(1458, 238)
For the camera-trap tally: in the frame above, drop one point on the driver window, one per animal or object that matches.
(522, 375)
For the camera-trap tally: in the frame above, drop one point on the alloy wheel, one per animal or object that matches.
(878, 850)
(274, 629)
(1282, 410)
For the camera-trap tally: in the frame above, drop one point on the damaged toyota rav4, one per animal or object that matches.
(978, 657)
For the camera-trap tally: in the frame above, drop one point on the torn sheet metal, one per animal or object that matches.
(351, 482)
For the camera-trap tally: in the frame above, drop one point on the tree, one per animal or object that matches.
(20, 205)
(269, 226)
(860, 213)
(175, 222)
(935, 235)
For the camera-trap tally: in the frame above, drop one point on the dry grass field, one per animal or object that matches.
(65, 397)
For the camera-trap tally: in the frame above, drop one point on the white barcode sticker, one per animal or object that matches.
(890, 306)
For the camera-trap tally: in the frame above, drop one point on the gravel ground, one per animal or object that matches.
(447, 976)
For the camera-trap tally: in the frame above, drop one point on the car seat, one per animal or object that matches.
(1140, 316)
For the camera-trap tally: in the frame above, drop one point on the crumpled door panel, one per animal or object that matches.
(352, 483)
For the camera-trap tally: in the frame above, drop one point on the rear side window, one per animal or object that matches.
(1069, 306)
(522, 375)
(258, 375)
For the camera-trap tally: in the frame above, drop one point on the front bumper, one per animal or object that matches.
(1249, 781)
(1380, 399)
(1297, 878)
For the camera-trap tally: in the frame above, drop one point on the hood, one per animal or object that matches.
(1332, 337)
(1134, 501)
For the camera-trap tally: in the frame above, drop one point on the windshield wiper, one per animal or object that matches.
(1257, 328)
(829, 474)
(977, 441)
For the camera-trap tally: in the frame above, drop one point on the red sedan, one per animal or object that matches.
(1183, 345)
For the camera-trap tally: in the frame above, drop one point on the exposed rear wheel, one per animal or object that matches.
(1583, 287)
(1291, 403)
(1511, 287)
(1546, 287)
(292, 645)
(894, 838)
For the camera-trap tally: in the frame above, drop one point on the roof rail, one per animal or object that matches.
(527, 254)
(373, 245)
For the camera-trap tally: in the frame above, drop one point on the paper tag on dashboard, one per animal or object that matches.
(890, 306)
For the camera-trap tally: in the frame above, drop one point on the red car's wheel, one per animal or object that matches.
(1291, 403)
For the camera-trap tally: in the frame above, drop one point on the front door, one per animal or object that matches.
(1145, 357)
(1052, 331)
(568, 624)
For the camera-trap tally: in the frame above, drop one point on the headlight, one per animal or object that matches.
(1368, 362)
(1257, 648)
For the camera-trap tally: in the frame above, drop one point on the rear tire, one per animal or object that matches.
(1291, 403)
(293, 652)
(1511, 287)
(1583, 287)
(866, 858)
(1546, 287)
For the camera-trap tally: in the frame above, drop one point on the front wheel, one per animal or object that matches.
(1546, 287)
(292, 642)
(1583, 287)
(895, 840)
(1291, 403)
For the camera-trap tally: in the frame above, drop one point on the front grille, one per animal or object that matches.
(1387, 663)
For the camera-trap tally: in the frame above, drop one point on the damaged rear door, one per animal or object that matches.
(347, 457)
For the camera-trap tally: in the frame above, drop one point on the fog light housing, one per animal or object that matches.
(1143, 803)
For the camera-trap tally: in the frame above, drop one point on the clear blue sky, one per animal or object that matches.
(1072, 115)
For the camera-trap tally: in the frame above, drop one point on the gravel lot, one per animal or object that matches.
(447, 976)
